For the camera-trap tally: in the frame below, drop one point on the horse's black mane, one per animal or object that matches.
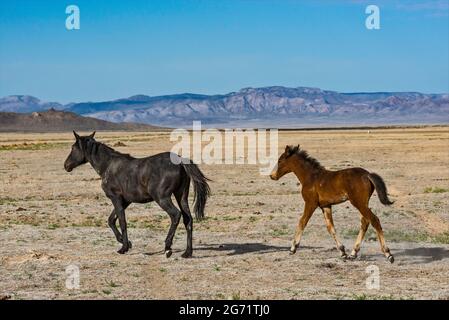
(304, 155)
(94, 147)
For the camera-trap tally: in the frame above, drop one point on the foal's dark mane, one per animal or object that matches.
(304, 156)
(93, 147)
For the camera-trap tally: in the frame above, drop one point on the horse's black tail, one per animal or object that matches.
(380, 187)
(200, 187)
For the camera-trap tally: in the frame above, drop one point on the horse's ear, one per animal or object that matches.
(289, 150)
(295, 149)
(77, 137)
(92, 135)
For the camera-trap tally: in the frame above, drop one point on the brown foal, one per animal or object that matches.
(323, 188)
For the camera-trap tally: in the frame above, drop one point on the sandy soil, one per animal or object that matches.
(50, 219)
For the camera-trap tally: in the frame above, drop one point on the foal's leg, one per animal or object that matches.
(375, 222)
(188, 221)
(175, 216)
(331, 229)
(308, 211)
(364, 224)
(119, 209)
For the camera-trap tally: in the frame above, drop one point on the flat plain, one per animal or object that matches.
(51, 219)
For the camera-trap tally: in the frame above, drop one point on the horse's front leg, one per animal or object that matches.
(309, 208)
(112, 224)
(119, 209)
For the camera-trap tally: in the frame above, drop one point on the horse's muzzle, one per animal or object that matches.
(67, 167)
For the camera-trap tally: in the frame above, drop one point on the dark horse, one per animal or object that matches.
(323, 188)
(126, 180)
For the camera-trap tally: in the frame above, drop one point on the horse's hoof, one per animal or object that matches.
(186, 255)
(130, 244)
(291, 252)
(122, 251)
(168, 253)
(344, 256)
(351, 257)
(390, 258)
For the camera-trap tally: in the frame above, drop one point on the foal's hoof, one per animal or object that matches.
(390, 258)
(342, 251)
(168, 253)
(187, 254)
(292, 251)
(351, 257)
(130, 244)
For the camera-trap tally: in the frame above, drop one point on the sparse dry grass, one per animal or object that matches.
(30, 146)
(435, 190)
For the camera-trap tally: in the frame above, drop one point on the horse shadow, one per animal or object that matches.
(233, 249)
(424, 255)
(412, 256)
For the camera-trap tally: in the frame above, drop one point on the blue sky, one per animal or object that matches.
(163, 47)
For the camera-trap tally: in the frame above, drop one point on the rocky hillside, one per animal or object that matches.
(53, 120)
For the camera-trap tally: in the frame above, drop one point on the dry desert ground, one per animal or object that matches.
(51, 219)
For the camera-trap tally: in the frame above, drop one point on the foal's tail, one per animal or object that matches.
(381, 188)
(200, 188)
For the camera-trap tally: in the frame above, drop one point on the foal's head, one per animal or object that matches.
(284, 164)
(77, 156)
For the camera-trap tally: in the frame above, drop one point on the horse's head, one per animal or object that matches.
(284, 164)
(77, 156)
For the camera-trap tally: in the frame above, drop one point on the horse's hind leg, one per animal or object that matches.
(175, 216)
(364, 224)
(375, 222)
(331, 229)
(187, 219)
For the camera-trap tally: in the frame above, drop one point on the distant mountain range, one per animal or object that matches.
(268, 106)
(58, 121)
